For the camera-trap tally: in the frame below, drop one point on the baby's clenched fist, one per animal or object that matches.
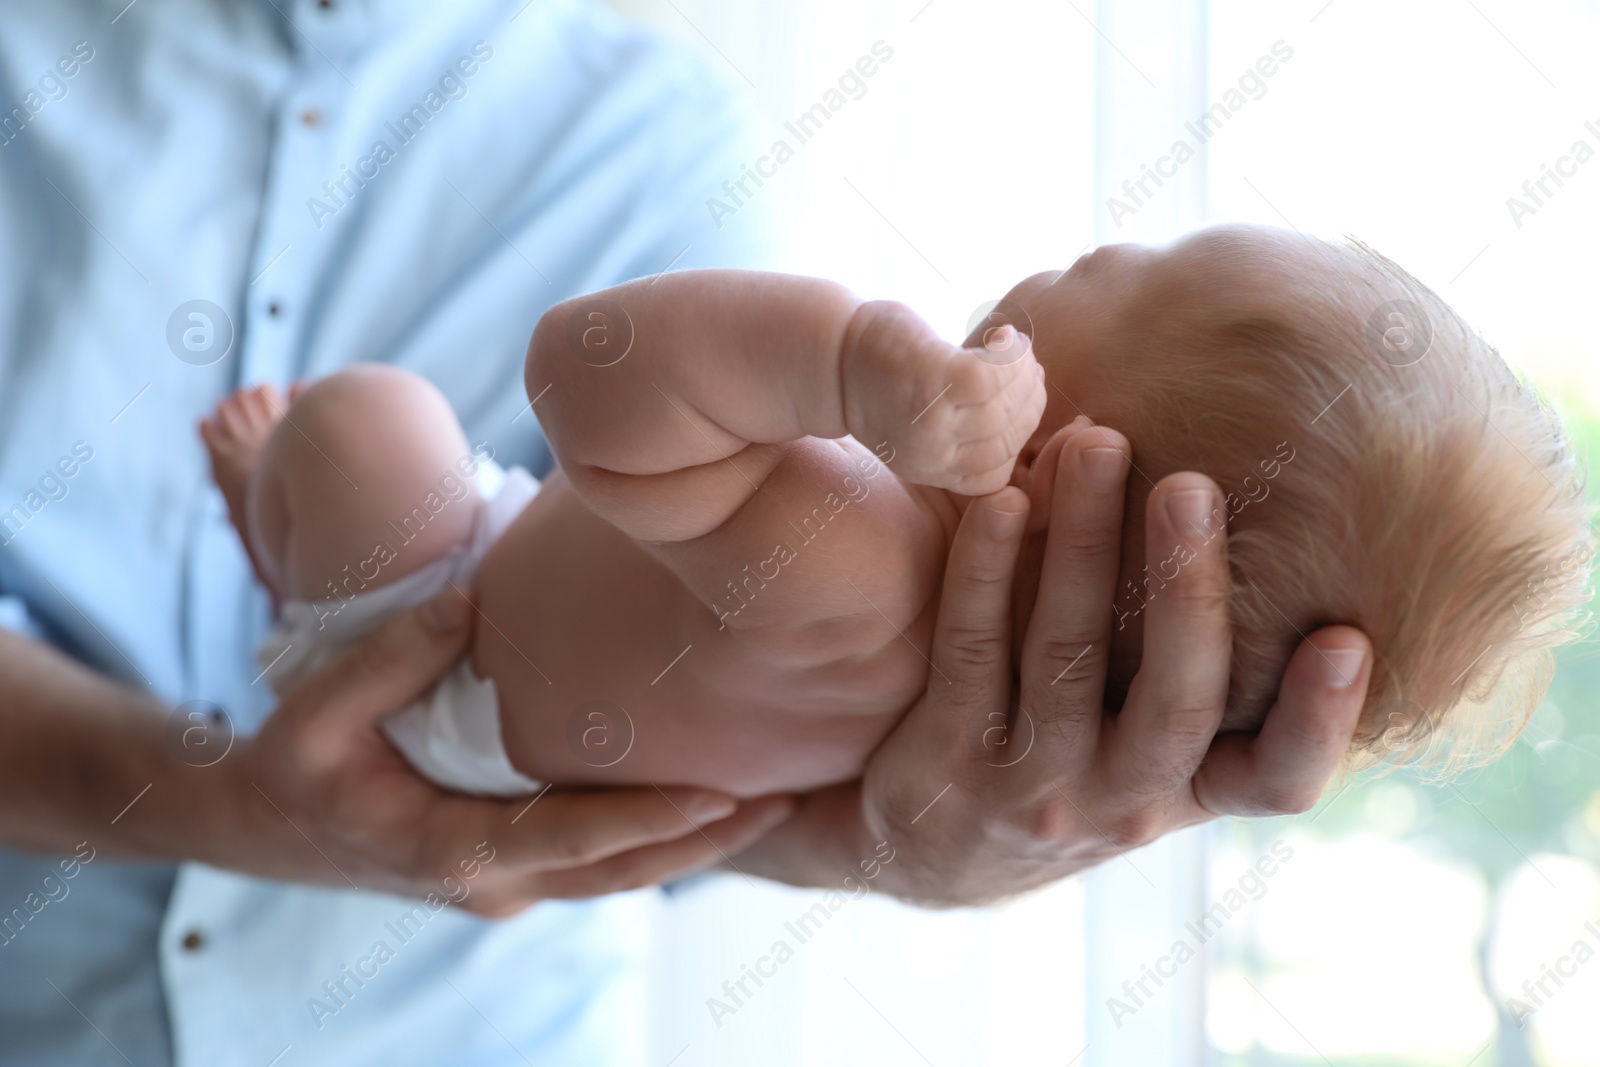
(953, 417)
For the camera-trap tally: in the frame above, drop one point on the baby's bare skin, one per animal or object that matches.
(755, 596)
(683, 465)
(791, 706)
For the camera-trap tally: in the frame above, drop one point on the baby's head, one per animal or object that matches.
(1382, 467)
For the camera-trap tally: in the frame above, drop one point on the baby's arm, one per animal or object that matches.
(653, 387)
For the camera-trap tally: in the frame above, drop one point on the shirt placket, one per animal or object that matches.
(223, 609)
(286, 262)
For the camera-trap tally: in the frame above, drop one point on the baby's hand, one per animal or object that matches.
(939, 414)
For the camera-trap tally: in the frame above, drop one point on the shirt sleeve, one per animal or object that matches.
(705, 204)
(15, 616)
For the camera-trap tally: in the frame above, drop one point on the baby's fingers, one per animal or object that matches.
(989, 481)
(983, 439)
(1001, 346)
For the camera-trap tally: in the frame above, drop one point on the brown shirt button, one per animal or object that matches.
(311, 117)
(192, 941)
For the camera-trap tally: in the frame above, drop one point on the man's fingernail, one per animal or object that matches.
(709, 808)
(1188, 510)
(446, 612)
(1004, 525)
(1341, 666)
(1102, 468)
(779, 813)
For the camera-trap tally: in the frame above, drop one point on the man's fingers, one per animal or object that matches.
(1066, 650)
(1042, 482)
(383, 672)
(719, 843)
(970, 681)
(1176, 701)
(1283, 769)
(559, 829)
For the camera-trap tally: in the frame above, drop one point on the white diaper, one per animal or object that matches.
(452, 735)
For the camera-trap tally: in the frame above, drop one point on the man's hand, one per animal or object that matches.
(971, 821)
(319, 795)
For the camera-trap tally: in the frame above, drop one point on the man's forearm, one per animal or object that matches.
(78, 749)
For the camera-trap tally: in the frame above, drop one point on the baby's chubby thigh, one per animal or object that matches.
(834, 562)
(364, 473)
(820, 590)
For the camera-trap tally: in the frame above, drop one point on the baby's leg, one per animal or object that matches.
(357, 486)
(234, 436)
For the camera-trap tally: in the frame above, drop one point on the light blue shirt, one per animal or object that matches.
(405, 181)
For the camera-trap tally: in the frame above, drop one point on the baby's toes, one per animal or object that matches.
(247, 416)
(243, 414)
(264, 404)
(225, 421)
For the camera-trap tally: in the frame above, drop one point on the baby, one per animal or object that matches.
(732, 577)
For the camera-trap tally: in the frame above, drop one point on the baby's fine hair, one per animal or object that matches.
(1430, 498)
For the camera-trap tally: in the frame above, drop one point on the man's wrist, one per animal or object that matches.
(225, 816)
(170, 798)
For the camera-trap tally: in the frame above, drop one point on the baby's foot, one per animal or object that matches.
(951, 417)
(234, 436)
